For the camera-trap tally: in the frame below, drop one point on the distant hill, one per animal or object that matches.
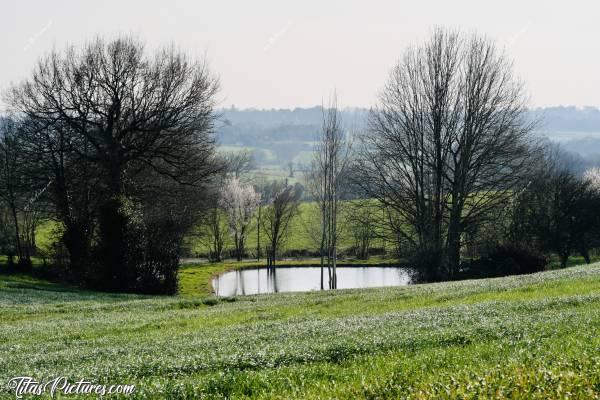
(281, 135)
(278, 136)
(570, 119)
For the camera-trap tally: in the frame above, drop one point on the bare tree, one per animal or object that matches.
(282, 207)
(447, 144)
(57, 165)
(115, 112)
(491, 153)
(239, 202)
(213, 231)
(239, 163)
(290, 167)
(216, 227)
(361, 220)
(18, 193)
(6, 235)
(10, 182)
(560, 209)
(264, 189)
(327, 179)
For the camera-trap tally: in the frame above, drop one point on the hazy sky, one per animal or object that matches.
(287, 54)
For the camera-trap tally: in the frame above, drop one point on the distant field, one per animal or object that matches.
(523, 337)
(276, 174)
(304, 234)
(265, 156)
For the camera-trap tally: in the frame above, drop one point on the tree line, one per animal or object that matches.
(449, 149)
(117, 145)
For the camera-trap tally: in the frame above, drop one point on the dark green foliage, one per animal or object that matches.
(558, 212)
(504, 260)
(111, 252)
(210, 301)
(118, 142)
(426, 265)
(156, 260)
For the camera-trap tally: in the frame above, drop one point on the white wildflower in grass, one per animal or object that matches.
(521, 337)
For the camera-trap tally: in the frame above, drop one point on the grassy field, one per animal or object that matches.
(304, 233)
(532, 336)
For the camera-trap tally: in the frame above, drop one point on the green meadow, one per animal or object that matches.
(531, 336)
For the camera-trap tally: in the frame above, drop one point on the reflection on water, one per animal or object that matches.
(299, 279)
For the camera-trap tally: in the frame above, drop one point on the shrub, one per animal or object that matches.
(505, 260)
(144, 257)
(157, 257)
(210, 301)
(427, 265)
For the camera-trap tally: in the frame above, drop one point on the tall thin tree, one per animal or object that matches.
(328, 176)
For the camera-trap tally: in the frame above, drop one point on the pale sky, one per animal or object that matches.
(283, 54)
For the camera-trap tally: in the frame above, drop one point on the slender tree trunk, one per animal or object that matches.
(452, 259)
(585, 252)
(322, 252)
(274, 241)
(334, 235)
(8, 175)
(258, 234)
(453, 256)
(236, 239)
(18, 245)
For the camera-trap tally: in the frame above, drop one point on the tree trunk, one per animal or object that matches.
(113, 231)
(258, 234)
(452, 259)
(18, 246)
(322, 248)
(274, 251)
(564, 258)
(585, 252)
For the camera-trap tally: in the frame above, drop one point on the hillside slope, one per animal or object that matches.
(531, 336)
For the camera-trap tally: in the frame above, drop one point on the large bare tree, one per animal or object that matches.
(362, 223)
(447, 143)
(116, 112)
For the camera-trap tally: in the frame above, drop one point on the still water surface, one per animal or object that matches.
(300, 279)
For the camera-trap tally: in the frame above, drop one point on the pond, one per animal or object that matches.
(300, 279)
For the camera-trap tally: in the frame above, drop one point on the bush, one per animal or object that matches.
(428, 266)
(504, 260)
(141, 253)
(21, 265)
(156, 259)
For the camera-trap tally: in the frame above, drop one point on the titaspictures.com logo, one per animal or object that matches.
(24, 386)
